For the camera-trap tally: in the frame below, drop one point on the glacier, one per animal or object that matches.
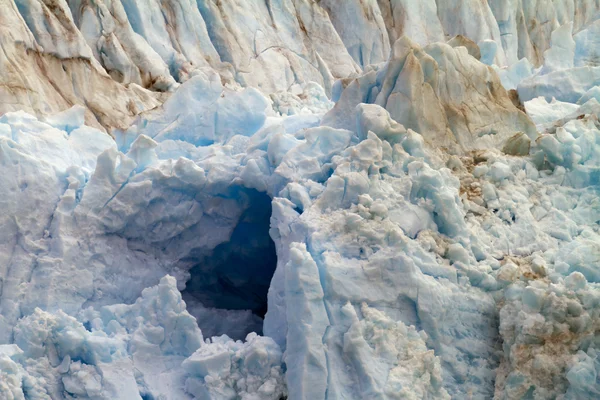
(295, 199)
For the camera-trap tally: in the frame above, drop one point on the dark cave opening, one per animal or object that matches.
(237, 274)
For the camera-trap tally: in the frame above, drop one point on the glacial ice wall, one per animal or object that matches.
(411, 260)
(435, 232)
(120, 58)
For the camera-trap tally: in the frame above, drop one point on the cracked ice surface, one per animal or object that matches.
(120, 58)
(432, 240)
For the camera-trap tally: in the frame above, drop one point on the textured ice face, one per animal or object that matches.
(399, 269)
(439, 91)
(120, 58)
(424, 238)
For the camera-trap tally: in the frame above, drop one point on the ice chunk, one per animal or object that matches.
(587, 44)
(593, 93)
(372, 117)
(12, 377)
(583, 375)
(565, 85)
(472, 47)
(517, 145)
(423, 89)
(513, 75)
(222, 115)
(68, 120)
(305, 353)
(543, 112)
(224, 369)
(562, 51)
(420, 376)
(488, 49)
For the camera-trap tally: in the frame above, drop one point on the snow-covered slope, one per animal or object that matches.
(430, 230)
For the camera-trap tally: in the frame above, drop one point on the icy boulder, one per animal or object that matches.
(429, 90)
(202, 113)
(136, 351)
(222, 369)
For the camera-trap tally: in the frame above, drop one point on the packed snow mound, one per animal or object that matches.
(454, 100)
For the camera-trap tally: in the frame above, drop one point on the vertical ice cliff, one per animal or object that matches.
(109, 51)
(366, 38)
(273, 45)
(526, 26)
(47, 67)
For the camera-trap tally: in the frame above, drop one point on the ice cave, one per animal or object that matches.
(298, 199)
(236, 275)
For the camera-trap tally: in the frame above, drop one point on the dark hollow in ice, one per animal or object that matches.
(237, 275)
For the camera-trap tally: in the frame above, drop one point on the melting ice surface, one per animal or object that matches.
(423, 238)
